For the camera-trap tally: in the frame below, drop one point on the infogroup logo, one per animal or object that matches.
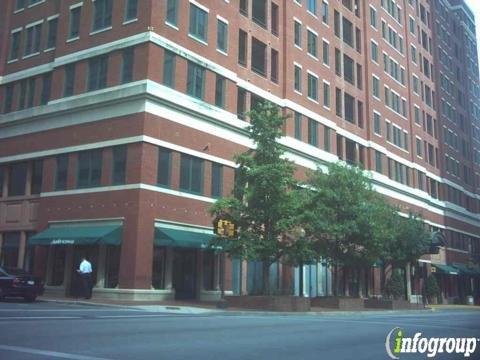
(397, 343)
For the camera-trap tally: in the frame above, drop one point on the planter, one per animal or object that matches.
(269, 303)
(391, 304)
(340, 303)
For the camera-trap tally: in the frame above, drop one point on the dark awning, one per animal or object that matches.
(465, 270)
(446, 269)
(165, 236)
(79, 235)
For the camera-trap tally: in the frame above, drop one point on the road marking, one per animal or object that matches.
(38, 317)
(54, 354)
(134, 316)
(59, 310)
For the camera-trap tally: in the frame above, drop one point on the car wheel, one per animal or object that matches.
(30, 298)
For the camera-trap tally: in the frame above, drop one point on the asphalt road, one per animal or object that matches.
(53, 331)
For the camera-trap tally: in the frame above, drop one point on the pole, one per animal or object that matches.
(300, 282)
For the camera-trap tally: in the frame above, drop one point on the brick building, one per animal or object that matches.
(119, 120)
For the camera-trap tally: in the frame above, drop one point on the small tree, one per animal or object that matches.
(263, 205)
(432, 291)
(396, 286)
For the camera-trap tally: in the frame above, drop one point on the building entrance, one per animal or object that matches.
(184, 273)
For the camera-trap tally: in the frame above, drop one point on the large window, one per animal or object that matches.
(297, 34)
(312, 43)
(89, 168)
(119, 168)
(14, 45)
(191, 174)
(131, 10)
(349, 108)
(326, 53)
(37, 176)
(347, 31)
(164, 167)
(298, 126)
(8, 100)
(195, 80)
(52, 33)
(74, 26)
(69, 81)
(217, 180)
(220, 84)
(102, 14)
(32, 42)
(312, 6)
(312, 87)
(348, 69)
(61, 172)
(297, 83)
(46, 88)
(198, 23)
(97, 72)
(326, 95)
(127, 64)
(222, 35)
(259, 55)
(172, 12)
(242, 48)
(259, 12)
(312, 132)
(18, 179)
(169, 69)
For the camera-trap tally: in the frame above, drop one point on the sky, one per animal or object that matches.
(475, 7)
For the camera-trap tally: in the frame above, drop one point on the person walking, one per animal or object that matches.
(85, 272)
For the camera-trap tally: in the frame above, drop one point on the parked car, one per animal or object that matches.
(18, 283)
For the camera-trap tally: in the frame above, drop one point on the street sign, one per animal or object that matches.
(225, 228)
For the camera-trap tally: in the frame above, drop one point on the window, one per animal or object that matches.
(69, 82)
(119, 168)
(312, 6)
(325, 12)
(164, 167)
(220, 91)
(312, 87)
(169, 69)
(52, 33)
(298, 126)
(222, 36)
(131, 10)
(217, 180)
(172, 12)
(259, 57)
(419, 147)
(349, 108)
(244, 7)
(241, 103)
(312, 132)
(378, 162)
(89, 168)
(195, 80)
(97, 72)
(338, 102)
(413, 50)
(298, 79)
(348, 69)
(377, 128)
(336, 23)
(14, 45)
(32, 42)
(411, 23)
(347, 31)
(274, 19)
(8, 101)
(359, 77)
(297, 33)
(312, 43)
(242, 48)
(18, 179)
(338, 62)
(61, 174)
(327, 146)
(274, 65)
(326, 95)
(191, 174)
(37, 175)
(20, 4)
(127, 64)
(198, 23)
(102, 14)
(326, 53)
(31, 92)
(374, 52)
(376, 87)
(373, 17)
(74, 27)
(259, 12)
(22, 95)
(10, 249)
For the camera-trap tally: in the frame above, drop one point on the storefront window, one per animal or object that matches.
(208, 270)
(112, 266)
(11, 243)
(158, 270)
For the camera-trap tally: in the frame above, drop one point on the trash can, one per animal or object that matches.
(470, 300)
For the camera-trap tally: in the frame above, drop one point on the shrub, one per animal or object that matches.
(396, 286)
(432, 291)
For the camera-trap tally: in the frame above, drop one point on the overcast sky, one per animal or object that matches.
(475, 6)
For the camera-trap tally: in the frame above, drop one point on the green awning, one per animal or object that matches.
(79, 235)
(165, 236)
(446, 269)
(465, 270)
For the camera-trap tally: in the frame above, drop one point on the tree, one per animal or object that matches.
(395, 286)
(346, 218)
(432, 291)
(264, 204)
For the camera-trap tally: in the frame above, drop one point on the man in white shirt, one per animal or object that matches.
(85, 271)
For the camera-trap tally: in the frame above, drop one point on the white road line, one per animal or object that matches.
(38, 317)
(50, 354)
(72, 310)
(133, 316)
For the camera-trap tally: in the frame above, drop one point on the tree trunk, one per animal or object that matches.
(266, 277)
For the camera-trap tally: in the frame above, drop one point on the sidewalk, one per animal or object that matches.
(454, 307)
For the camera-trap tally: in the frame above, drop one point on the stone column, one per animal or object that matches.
(102, 257)
(22, 246)
(168, 268)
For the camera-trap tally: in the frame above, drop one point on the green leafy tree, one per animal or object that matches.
(432, 291)
(396, 286)
(345, 217)
(264, 202)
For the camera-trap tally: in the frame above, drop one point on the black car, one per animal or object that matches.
(18, 283)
